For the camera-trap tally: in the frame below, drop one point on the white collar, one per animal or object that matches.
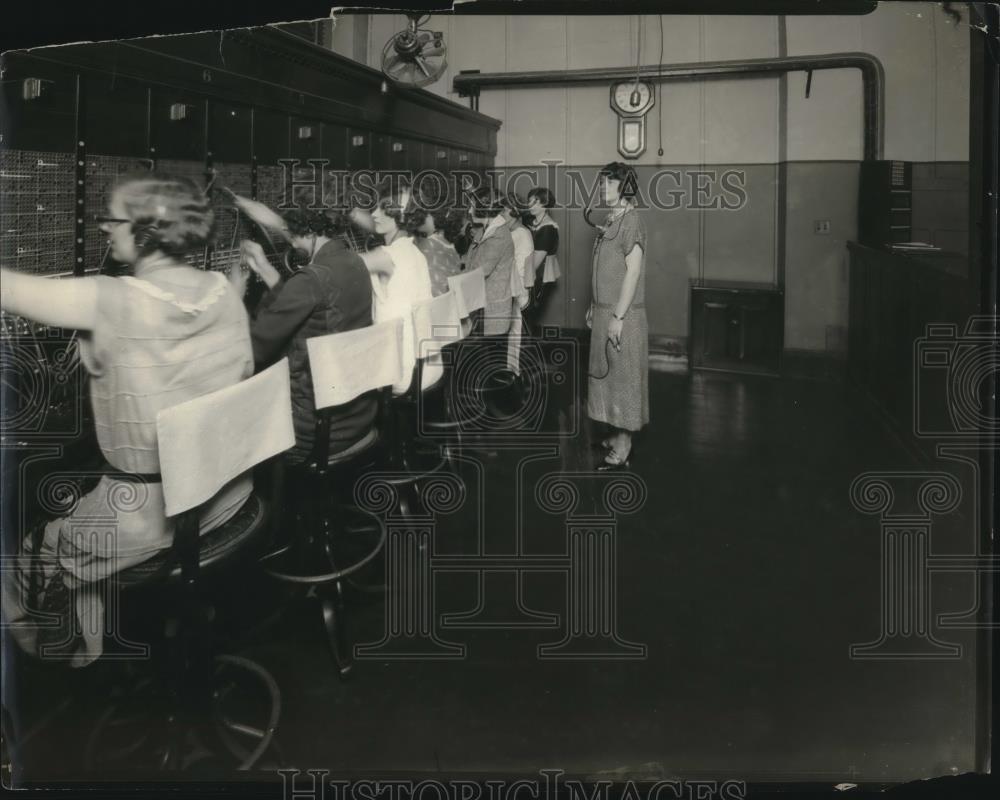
(497, 222)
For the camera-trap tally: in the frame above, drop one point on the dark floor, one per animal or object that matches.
(747, 575)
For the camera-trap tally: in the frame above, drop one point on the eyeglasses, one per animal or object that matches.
(101, 220)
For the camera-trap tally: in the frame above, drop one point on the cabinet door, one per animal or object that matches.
(47, 122)
(714, 345)
(737, 331)
(230, 132)
(125, 101)
(307, 139)
(380, 152)
(270, 136)
(334, 145)
(414, 156)
(178, 125)
(359, 149)
(398, 153)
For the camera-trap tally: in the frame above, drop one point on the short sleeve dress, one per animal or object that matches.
(621, 397)
(546, 238)
(395, 296)
(171, 335)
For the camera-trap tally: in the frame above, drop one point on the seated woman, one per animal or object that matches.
(167, 335)
(399, 273)
(545, 264)
(514, 210)
(494, 255)
(438, 233)
(332, 293)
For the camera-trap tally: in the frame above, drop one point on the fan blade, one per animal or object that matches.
(433, 51)
(423, 66)
(391, 63)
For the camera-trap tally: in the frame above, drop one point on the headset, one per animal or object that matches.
(146, 236)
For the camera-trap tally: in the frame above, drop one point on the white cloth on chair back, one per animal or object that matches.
(470, 291)
(346, 365)
(436, 323)
(206, 442)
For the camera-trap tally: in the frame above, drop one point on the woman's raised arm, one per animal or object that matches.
(378, 261)
(63, 303)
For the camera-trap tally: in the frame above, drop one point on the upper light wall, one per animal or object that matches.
(925, 55)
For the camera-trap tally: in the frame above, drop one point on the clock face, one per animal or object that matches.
(632, 98)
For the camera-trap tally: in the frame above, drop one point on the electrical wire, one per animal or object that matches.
(659, 92)
(635, 97)
(607, 360)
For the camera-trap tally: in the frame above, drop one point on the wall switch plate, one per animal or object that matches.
(821, 226)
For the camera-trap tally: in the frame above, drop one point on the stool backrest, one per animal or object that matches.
(346, 365)
(436, 324)
(206, 442)
(470, 291)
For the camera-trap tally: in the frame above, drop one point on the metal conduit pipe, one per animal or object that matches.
(470, 83)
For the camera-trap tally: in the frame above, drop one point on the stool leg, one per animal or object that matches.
(331, 601)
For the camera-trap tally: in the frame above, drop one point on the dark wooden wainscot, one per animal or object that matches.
(911, 330)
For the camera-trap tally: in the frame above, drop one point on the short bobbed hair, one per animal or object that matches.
(169, 214)
(486, 203)
(623, 173)
(543, 195)
(403, 207)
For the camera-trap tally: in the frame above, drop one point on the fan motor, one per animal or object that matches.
(406, 43)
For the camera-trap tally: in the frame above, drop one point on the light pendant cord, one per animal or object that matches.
(659, 92)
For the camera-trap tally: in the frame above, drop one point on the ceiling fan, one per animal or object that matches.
(415, 57)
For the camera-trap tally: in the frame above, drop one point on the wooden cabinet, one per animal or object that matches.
(896, 301)
(736, 327)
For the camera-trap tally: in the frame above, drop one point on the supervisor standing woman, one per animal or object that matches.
(619, 344)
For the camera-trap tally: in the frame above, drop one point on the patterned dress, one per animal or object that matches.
(442, 260)
(620, 399)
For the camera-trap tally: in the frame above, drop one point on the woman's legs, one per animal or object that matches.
(620, 446)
